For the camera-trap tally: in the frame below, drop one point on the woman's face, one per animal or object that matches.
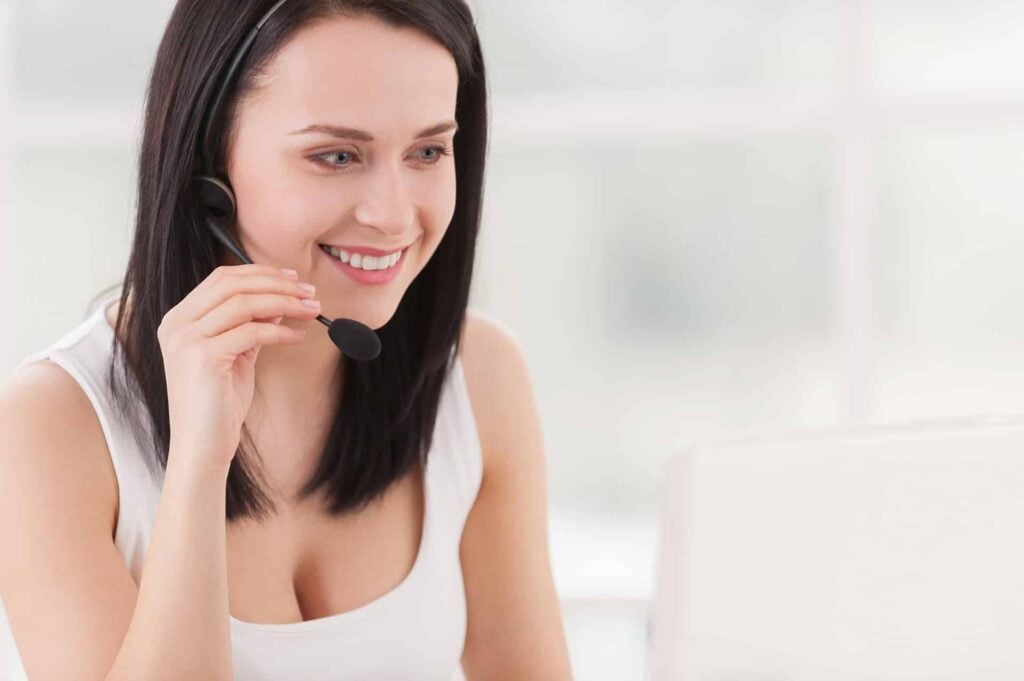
(298, 188)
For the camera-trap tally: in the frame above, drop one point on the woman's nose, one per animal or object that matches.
(385, 203)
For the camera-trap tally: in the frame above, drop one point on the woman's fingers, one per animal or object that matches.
(246, 307)
(230, 280)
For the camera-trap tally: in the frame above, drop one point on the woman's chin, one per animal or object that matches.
(374, 317)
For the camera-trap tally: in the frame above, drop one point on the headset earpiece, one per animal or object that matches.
(216, 197)
(218, 201)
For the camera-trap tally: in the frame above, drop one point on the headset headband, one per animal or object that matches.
(218, 100)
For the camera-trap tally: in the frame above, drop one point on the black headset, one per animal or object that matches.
(353, 338)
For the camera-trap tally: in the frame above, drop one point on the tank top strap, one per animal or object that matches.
(456, 416)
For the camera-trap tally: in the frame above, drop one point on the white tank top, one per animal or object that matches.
(415, 631)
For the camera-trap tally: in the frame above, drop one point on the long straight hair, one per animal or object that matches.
(388, 406)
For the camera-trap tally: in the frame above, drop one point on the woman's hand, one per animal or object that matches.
(210, 341)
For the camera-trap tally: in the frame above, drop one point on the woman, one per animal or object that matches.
(247, 502)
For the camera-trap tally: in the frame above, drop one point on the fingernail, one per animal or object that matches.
(307, 287)
(291, 273)
(308, 302)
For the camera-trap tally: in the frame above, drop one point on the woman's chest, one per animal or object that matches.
(303, 564)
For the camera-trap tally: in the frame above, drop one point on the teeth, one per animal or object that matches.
(364, 262)
(340, 255)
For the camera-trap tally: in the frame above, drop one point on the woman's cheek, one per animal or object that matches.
(444, 197)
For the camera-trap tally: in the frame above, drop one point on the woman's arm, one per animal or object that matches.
(180, 627)
(514, 627)
(71, 602)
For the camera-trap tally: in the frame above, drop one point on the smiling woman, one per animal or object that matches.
(203, 492)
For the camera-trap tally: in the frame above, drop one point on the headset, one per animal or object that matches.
(353, 338)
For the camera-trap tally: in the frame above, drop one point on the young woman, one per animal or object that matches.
(197, 483)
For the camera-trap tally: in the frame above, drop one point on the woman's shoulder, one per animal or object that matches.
(494, 366)
(53, 439)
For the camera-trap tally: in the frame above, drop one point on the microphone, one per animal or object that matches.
(353, 338)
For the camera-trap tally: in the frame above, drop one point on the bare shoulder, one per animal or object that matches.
(67, 591)
(53, 439)
(497, 380)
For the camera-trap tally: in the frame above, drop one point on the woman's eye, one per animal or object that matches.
(323, 158)
(438, 153)
(441, 151)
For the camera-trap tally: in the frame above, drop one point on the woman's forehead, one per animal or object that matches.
(361, 63)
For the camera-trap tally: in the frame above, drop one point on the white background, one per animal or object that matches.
(700, 216)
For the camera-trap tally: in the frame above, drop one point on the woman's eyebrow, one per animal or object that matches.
(354, 134)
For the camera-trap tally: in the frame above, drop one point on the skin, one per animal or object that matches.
(394, 191)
